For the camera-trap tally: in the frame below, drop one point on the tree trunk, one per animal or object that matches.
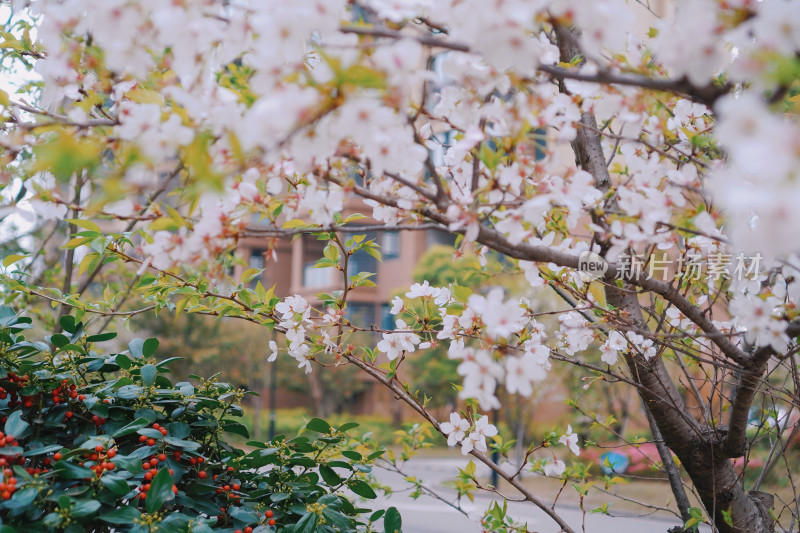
(700, 448)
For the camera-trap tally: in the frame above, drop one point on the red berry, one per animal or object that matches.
(156, 425)
(99, 448)
(82, 397)
(202, 475)
(151, 442)
(236, 486)
(269, 513)
(143, 438)
(271, 522)
(68, 414)
(111, 453)
(248, 529)
(163, 431)
(162, 457)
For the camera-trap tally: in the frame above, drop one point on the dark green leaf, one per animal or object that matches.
(102, 337)
(306, 524)
(84, 508)
(318, 425)
(122, 516)
(329, 475)
(362, 489)
(41, 451)
(68, 470)
(149, 347)
(115, 484)
(160, 490)
(392, 522)
(133, 427)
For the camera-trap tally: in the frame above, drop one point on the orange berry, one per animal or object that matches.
(271, 522)
(269, 513)
(151, 442)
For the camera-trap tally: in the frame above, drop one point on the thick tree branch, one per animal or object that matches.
(735, 444)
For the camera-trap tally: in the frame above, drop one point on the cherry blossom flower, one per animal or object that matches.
(476, 440)
(394, 344)
(554, 468)
(455, 429)
(570, 439)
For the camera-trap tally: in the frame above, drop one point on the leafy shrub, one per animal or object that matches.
(105, 442)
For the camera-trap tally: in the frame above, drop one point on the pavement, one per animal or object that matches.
(428, 515)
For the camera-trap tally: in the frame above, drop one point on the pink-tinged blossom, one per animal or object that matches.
(574, 333)
(397, 305)
(480, 374)
(502, 318)
(521, 373)
(423, 290)
(273, 347)
(554, 468)
(456, 429)
(610, 349)
(476, 440)
(570, 439)
(641, 345)
(394, 344)
(761, 320)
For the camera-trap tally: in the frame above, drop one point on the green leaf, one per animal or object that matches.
(84, 508)
(160, 490)
(115, 484)
(306, 524)
(149, 347)
(362, 488)
(121, 516)
(318, 425)
(149, 373)
(392, 522)
(133, 427)
(15, 425)
(67, 470)
(41, 451)
(329, 475)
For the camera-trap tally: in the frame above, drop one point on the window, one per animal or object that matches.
(361, 314)
(390, 245)
(318, 277)
(256, 259)
(387, 318)
(436, 236)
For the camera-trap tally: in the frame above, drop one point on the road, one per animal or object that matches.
(427, 515)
